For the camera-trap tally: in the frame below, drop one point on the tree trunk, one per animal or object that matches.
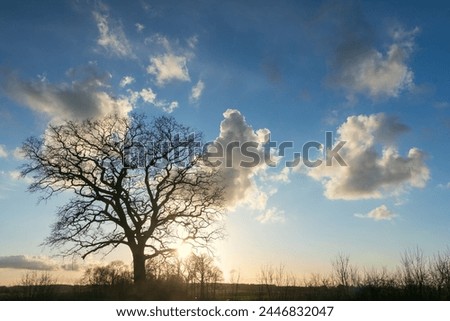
(202, 287)
(139, 266)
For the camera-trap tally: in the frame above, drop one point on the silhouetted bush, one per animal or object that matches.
(37, 286)
(112, 281)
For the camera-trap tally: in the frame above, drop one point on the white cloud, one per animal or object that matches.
(160, 40)
(3, 152)
(168, 67)
(127, 80)
(361, 68)
(272, 215)
(112, 36)
(149, 96)
(77, 100)
(239, 180)
(133, 96)
(378, 214)
(18, 153)
(197, 91)
(139, 27)
(281, 176)
(192, 42)
(170, 59)
(375, 167)
(444, 186)
(15, 175)
(170, 107)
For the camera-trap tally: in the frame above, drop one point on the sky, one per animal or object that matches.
(373, 74)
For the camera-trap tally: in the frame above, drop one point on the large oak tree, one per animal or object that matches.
(134, 182)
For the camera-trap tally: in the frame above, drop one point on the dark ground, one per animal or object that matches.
(220, 291)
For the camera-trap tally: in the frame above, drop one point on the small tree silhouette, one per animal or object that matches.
(114, 274)
(440, 274)
(37, 286)
(414, 276)
(202, 272)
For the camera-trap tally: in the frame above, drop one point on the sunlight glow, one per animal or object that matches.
(184, 250)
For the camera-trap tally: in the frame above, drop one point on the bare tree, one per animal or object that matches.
(37, 285)
(266, 280)
(345, 274)
(378, 278)
(413, 272)
(440, 274)
(135, 182)
(202, 272)
(235, 277)
(165, 268)
(115, 273)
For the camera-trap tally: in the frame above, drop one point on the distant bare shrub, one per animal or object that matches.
(440, 274)
(276, 283)
(203, 275)
(344, 273)
(414, 276)
(37, 286)
(165, 269)
(114, 274)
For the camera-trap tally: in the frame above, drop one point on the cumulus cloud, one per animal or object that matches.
(375, 167)
(149, 96)
(168, 67)
(77, 100)
(358, 64)
(380, 73)
(197, 91)
(272, 215)
(111, 35)
(125, 81)
(171, 63)
(239, 179)
(3, 151)
(281, 176)
(381, 213)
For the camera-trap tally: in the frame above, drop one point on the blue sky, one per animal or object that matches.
(374, 74)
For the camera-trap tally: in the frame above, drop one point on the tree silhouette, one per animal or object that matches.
(114, 274)
(200, 270)
(135, 182)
